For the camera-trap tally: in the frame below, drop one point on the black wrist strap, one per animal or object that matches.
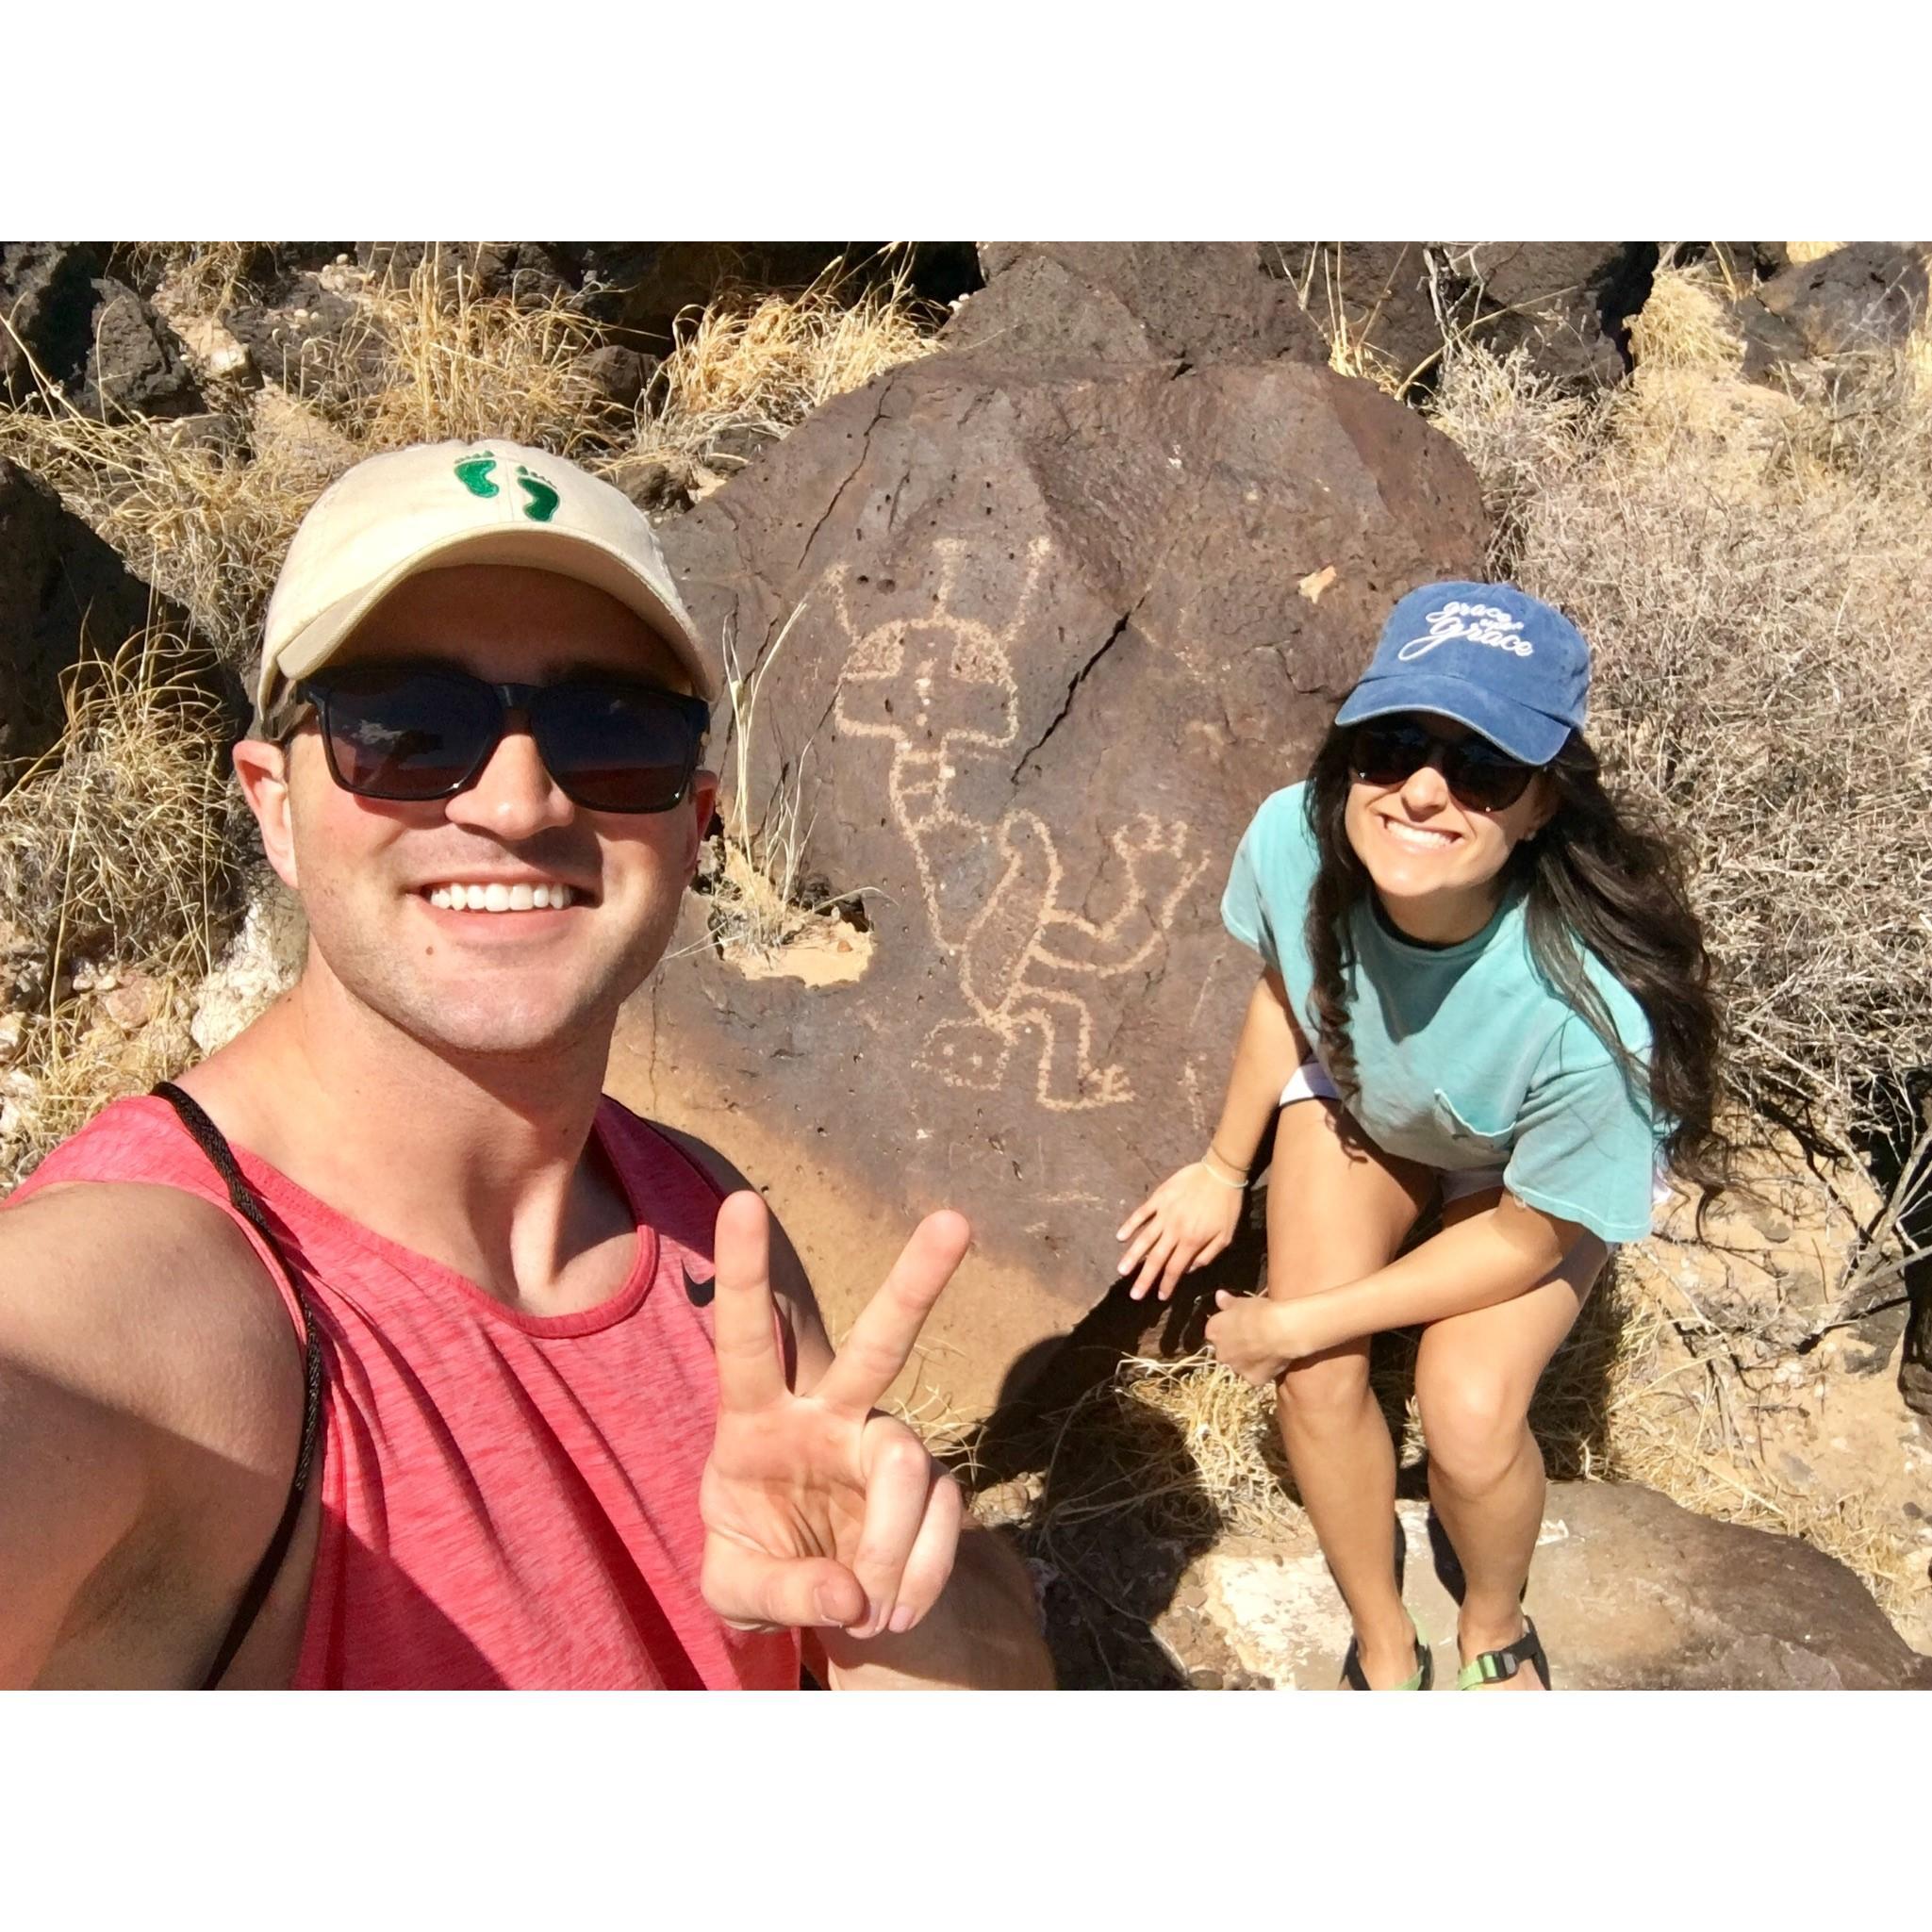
(248, 1205)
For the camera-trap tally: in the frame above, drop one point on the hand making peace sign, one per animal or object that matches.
(818, 1509)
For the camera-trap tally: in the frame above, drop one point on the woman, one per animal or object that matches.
(1483, 990)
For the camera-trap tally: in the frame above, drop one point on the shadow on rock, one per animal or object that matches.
(1101, 1492)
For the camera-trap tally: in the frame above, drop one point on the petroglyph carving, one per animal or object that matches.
(1026, 954)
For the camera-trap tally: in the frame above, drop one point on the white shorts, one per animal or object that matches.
(1310, 1082)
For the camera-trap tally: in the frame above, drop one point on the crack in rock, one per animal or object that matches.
(837, 495)
(1080, 677)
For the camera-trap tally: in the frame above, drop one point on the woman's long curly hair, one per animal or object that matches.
(1593, 878)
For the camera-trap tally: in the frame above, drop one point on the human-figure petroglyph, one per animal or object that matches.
(1026, 956)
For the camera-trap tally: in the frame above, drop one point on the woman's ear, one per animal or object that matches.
(1546, 798)
(262, 769)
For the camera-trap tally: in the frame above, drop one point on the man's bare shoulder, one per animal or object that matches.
(107, 1281)
(143, 1311)
(150, 1390)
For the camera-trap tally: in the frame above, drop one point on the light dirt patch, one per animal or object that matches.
(828, 953)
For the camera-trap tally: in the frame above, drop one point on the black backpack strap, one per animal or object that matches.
(248, 1205)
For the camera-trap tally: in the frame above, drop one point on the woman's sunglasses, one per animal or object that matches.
(413, 734)
(1390, 751)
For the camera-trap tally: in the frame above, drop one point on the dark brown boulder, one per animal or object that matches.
(135, 364)
(1915, 1364)
(63, 591)
(620, 375)
(1197, 303)
(1629, 1593)
(296, 329)
(1052, 639)
(1567, 302)
(48, 296)
(1865, 295)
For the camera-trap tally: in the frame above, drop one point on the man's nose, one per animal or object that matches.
(514, 796)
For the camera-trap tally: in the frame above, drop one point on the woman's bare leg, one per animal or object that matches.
(1338, 1212)
(1474, 1375)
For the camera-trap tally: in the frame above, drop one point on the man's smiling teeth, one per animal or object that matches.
(1417, 836)
(500, 898)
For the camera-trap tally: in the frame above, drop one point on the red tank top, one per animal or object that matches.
(508, 1501)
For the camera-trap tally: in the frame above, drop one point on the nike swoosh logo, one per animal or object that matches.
(700, 1292)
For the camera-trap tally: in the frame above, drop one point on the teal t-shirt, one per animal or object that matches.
(1467, 1057)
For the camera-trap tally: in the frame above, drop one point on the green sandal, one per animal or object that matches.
(1499, 1666)
(1424, 1676)
(1354, 1679)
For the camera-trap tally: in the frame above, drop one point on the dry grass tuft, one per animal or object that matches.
(1320, 288)
(750, 367)
(1753, 566)
(1685, 323)
(206, 277)
(112, 845)
(430, 361)
(760, 904)
(116, 878)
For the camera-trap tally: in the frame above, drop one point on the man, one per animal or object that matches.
(567, 1415)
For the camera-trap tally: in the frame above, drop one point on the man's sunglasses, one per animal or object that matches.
(416, 733)
(1390, 751)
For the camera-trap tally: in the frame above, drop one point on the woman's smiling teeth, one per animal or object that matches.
(1418, 838)
(500, 898)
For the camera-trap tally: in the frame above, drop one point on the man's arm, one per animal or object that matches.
(983, 1633)
(145, 1398)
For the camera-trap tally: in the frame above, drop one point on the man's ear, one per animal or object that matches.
(262, 769)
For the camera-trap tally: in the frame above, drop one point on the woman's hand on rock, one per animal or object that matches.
(1188, 1219)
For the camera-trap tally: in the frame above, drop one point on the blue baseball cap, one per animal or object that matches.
(1488, 655)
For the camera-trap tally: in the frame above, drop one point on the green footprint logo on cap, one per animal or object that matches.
(542, 505)
(473, 473)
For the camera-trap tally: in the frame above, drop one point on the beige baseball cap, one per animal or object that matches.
(438, 504)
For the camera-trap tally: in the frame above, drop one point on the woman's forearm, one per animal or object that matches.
(1493, 1256)
(1269, 1050)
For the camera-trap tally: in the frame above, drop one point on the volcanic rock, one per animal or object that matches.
(1628, 1591)
(1046, 643)
(47, 296)
(1400, 301)
(135, 364)
(295, 332)
(1866, 295)
(1197, 303)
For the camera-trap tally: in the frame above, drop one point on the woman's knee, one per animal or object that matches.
(1474, 1424)
(1323, 1392)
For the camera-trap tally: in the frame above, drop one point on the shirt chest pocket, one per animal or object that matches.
(1453, 1122)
